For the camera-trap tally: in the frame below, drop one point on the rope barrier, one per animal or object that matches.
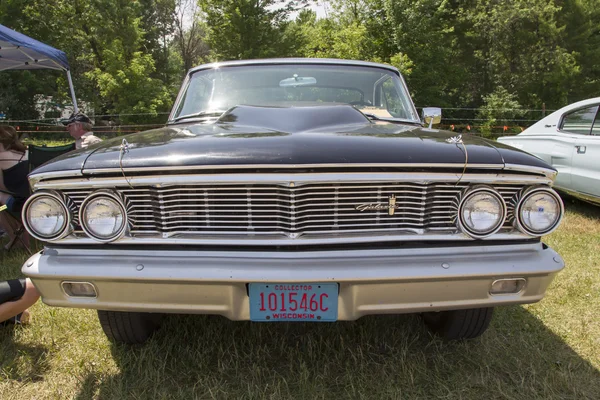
(451, 122)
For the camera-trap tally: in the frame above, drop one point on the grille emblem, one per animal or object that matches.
(391, 206)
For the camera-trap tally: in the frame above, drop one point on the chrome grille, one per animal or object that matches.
(323, 208)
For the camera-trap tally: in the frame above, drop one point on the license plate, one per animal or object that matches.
(271, 302)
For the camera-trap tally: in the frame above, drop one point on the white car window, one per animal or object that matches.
(596, 127)
(580, 121)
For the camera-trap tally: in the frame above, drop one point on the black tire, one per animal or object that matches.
(128, 327)
(459, 324)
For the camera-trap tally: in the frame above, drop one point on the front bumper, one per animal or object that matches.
(384, 281)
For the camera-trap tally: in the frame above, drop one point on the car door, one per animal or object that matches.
(584, 124)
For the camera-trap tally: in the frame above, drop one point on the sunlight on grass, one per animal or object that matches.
(550, 349)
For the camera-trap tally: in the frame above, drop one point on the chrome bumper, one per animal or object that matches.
(370, 281)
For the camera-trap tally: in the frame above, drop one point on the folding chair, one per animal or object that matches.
(37, 156)
(18, 230)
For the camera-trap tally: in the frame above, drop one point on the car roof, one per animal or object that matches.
(279, 61)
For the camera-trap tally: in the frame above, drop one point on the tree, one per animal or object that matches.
(245, 29)
(190, 41)
(113, 68)
(158, 24)
(518, 45)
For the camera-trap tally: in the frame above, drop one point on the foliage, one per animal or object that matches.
(499, 108)
(129, 56)
(190, 40)
(113, 69)
(245, 29)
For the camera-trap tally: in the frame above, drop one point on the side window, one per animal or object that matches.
(580, 121)
(596, 127)
(196, 97)
(392, 100)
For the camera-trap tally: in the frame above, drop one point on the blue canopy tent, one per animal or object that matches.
(18, 51)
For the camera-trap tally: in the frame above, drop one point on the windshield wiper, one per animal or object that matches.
(374, 117)
(200, 114)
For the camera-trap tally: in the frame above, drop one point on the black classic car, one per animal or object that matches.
(294, 190)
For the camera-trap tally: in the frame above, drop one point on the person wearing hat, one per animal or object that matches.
(80, 127)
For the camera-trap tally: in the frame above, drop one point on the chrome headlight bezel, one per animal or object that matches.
(523, 197)
(120, 203)
(62, 201)
(469, 193)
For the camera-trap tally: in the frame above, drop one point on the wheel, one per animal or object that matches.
(459, 324)
(129, 327)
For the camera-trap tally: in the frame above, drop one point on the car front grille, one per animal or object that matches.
(293, 209)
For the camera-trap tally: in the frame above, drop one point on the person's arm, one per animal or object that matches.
(12, 308)
(4, 197)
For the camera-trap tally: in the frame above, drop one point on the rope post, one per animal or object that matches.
(75, 108)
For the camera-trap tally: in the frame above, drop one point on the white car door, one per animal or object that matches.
(556, 148)
(585, 166)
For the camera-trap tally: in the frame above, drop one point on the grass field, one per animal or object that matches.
(546, 350)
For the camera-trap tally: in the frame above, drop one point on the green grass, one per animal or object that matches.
(550, 349)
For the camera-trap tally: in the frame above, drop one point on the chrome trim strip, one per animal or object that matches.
(179, 97)
(286, 180)
(579, 195)
(303, 61)
(458, 166)
(35, 178)
(410, 99)
(282, 240)
(548, 172)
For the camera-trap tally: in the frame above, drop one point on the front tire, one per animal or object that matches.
(128, 327)
(459, 324)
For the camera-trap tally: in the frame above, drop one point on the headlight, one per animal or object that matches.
(46, 216)
(539, 212)
(102, 216)
(481, 212)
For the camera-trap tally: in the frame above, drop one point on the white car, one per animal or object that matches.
(569, 140)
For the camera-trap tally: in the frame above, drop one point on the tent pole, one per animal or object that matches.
(75, 108)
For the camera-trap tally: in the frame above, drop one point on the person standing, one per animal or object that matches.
(80, 128)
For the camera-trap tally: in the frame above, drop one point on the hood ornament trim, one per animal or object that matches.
(455, 139)
(459, 140)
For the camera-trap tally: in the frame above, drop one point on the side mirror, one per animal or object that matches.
(432, 115)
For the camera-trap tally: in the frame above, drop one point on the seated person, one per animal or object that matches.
(14, 187)
(16, 296)
(80, 128)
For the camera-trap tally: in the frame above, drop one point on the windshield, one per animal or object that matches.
(377, 92)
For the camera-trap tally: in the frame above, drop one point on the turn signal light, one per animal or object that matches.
(507, 286)
(79, 289)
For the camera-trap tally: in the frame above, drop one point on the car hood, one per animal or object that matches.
(258, 136)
